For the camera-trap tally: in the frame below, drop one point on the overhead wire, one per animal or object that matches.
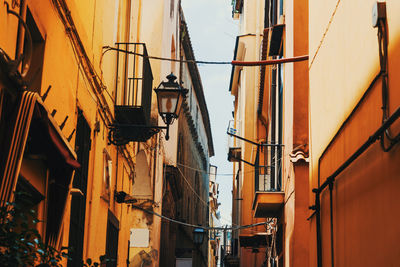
(324, 34)
(188, 183)
(191, 188)
(108, 48)
(233, 62)
(199, 226)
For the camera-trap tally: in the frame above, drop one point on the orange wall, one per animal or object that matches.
(365, 203)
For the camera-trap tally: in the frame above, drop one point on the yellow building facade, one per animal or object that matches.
(270, 134)
(336, 119)
(62, 144)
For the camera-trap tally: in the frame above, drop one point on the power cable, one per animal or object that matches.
(191, 188)
(324, 35)
(233, 62)
(199, 226)
(108, 48)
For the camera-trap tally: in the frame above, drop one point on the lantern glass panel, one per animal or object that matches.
(168, 101)
(198, 236)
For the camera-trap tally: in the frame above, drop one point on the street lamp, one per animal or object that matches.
(170, 96)
(198, 236)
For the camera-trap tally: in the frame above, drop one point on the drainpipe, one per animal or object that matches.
(273, 126)
(21, 31)
(257, 70)
(331, 179)
(273, 106)
(139, 21)
(317, 208)
(179, 40)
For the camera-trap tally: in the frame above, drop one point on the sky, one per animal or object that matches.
(213, 33)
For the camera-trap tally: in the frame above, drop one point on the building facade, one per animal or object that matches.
(243, 86)
(354, 132)
(269, 134)
(214, 244)
(73, 74)
(188, 165)
(315, 143)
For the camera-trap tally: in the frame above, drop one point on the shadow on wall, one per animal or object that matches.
(144, 259)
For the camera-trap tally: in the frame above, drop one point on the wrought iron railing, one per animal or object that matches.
(134, 80)
(268, 168)
(267, 164)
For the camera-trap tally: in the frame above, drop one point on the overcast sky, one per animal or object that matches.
(212, 32)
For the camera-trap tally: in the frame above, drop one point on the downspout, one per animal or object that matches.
(316, 207)
(383, 130)
(139, 20)
(126, 65)
(257, 70)
(89, 198)
(180, 41)
(331, 179)
(21, 31)
(273, 125)
(273, 106)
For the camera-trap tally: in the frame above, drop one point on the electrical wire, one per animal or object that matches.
(206, 172)
(199, 226)
(191, 188)
(324, 35)
(108, 48)
(233, 62)
(223, 218)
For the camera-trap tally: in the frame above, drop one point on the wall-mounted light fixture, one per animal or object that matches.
(170, 96)
(123, 197)
(198, 236)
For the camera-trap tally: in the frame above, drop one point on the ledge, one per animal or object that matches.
(268, 204)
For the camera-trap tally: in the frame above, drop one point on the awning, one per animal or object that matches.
(32, 114)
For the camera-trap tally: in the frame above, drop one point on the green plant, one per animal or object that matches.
(22, 245)
(20, 241)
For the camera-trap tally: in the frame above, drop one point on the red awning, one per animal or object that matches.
(60, 145)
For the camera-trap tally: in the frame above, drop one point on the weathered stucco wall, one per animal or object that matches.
(364, 195)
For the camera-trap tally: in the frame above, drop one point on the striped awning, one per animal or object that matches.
(28, 103)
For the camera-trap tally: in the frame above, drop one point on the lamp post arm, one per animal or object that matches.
(167, 133)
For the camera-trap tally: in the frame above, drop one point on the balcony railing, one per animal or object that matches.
(267, 164)
(268, 168)
(133, 84)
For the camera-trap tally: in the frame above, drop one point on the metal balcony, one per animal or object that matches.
(133, 91)
(269, 197)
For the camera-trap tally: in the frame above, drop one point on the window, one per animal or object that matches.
(112, 240)
(34, 75)
(29, 198)
(107, 172)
